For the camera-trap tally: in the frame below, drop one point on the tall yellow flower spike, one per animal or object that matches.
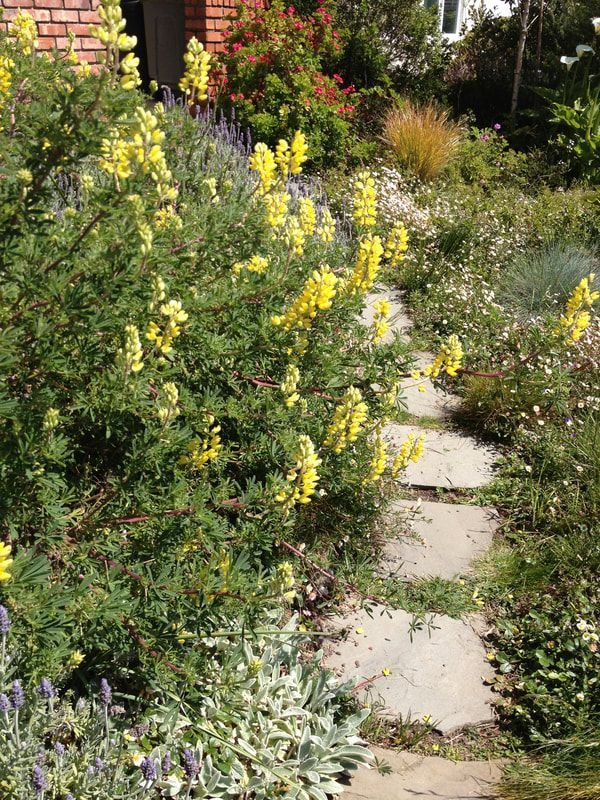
(302, 478)
(448, 360)
(365, 200)
(262, 161)
(307, 215)
(298, 153)
(326, 230)
(194, 83)
(378, 460)
(24, 29)
(367, 265)
(167, 408)
(256, 264)
(348, 419)
(396, 245)
(577, 317)
(289, 385)
(129, 358)
(5, 562)
(200, 453)
(411, 450)
(317, 294)
(276, 207)
(381, 326)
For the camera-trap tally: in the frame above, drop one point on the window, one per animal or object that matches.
(450, 16)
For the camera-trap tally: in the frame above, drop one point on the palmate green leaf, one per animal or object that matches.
(29, 570)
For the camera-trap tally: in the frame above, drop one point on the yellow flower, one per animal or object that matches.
(289, 385)
(365, 199)
(5, 562)
(129, 357)
(24, 29)
(6, 65)
(318, 293)
(448, 360)
(367, 265)
(303, 478)
(167, 217)
(130, 76)
(307, 216)
(380, 324)
(576, 317)
(276, 207)
(326, 230)
(411, 450)
(396, 245)
(167, 408)
(348, 419)
(378, 460)
(200, 453)
(194, 83)
(76, 658)
(294, 236)
(386, 672)
(299, 153)
(51, 420)
(256, 264)
(262, 161)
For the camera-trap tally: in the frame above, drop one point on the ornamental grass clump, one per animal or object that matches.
(422, 139)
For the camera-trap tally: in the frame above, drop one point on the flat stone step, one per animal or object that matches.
(433, 402)
(398, 320)
(450, 460)
(415, 777)
(435, 539)
(437, 670)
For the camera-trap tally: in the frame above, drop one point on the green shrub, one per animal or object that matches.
(279, 77)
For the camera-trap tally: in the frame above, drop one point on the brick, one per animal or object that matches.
(53, 30)
(49, 4)
(196, 25)
(17, 4)
(65, 16)
(88, 44)
(89, 16)
(74, 4)
(79, 29)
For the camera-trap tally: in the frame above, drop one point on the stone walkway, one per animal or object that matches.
(438, 668)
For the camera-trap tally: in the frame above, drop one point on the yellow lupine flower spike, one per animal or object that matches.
(289, 385)
(318, 293)
(380, 320)
(577, 317)
(378, 460)
(411, 450)
(365, 200)
(262, 161)
(448, 360)
(24, 29)
(348, 419)
(396, 245)
(194, 83)
(5, 562)
(367, 265)
(303, 477)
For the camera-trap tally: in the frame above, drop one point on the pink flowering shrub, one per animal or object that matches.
(277, 77)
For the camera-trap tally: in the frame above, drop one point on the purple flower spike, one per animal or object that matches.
(166, 763)
(18, 698)
(59, 749)
(46, 690)
(497, 127)
(190, 765)
(4, 621)
(38, 780)
(148, 769)
(4, 704)
(99, 764)
(105, 693)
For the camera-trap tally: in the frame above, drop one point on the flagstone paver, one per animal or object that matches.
(399, 321)
(450, 460)
(435, 670)
(435, 539)
(413, 777)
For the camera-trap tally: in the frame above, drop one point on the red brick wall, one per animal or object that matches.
(205, 19)
(54, 18)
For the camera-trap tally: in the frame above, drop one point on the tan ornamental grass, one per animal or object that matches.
(423, 138)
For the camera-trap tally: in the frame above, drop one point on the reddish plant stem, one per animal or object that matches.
(271, 385)
(139, 639)
(328, 574)
(367, 682)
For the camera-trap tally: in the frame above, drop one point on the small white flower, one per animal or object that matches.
(596, 24)
(580, 696)
(582, 49)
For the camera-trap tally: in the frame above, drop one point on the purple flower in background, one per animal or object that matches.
(485, 137)
(148, 769)
(4, 621)
(497, 127)
(190, 765)
(99, 764)
(45, 689)
(38, 780)
(166, 763)
(59, 749)
(4, 704)
(69, 797)
(18, 698)
(105, 693)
